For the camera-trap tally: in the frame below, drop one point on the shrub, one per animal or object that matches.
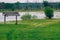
(34, 17)
(48, 12)
(26, 17)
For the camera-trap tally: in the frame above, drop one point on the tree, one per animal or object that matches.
(48, 12)
(59, 5)
(45, 3)
(2, 5)
(17, 5)
(13, 7)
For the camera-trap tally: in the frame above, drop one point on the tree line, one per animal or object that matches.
(11, 6)
(25, 6)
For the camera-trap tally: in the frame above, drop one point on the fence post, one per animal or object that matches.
(16, 20)
(4, 19)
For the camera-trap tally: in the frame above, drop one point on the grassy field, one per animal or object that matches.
(31, 30)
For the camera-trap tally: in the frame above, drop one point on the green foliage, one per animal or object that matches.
(25, 6)
(45, 3)
(59, 5)
(34, 17)
(26, 17)
(49, 12)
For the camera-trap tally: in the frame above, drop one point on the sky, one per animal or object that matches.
(24, 1)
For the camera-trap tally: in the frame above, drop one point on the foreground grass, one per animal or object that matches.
(31, 30)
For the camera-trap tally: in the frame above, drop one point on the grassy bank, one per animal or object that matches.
(5, 10)
(31, 30)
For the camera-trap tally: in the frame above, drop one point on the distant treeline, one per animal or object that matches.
(26, 6)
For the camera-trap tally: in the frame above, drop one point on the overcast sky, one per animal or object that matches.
(24, 1)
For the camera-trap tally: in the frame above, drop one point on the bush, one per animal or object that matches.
(26, 17)
(34, 17)
(48, 12)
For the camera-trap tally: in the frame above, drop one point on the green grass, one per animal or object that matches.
(31, 30)
(5, 10)
(41, 10)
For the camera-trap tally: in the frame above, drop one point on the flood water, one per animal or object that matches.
(40, 15)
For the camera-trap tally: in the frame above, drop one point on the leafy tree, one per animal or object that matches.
(1, 5)
(17, 5)
(48, 12)
(45, 3)
(59, 5)
(13, 7)
(8, 6)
